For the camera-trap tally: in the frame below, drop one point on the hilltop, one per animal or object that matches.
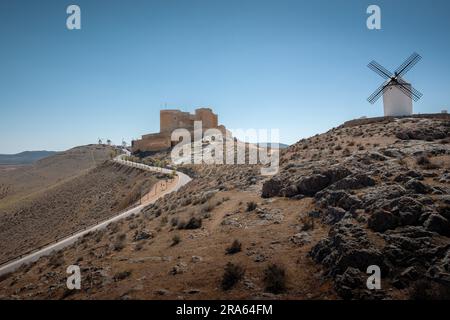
(26, 157)
(23, 181)
(365, 193)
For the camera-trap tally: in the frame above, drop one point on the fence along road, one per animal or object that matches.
(182, 180)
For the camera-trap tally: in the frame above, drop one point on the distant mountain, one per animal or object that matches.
(26, 157)
(267, 144)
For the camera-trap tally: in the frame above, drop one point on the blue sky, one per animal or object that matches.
(299, 66)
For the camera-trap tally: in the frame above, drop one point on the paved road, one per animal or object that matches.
(182, 180)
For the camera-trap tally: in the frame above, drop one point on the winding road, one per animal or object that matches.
(182, 180)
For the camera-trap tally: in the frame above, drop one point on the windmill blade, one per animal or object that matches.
(377, 93)
(378, 68)
(408, 64)
(405, 90)
(407, 61)
(409, 90)
(416, 92)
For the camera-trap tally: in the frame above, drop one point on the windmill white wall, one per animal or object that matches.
(396, 103)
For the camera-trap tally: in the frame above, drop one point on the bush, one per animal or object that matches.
(423, 160)
(164, 220)
(275, 279)
(235, 247)
(251, 206)
(193, 223)
(119, 244)
(308, 224)
(121, 275)
(346, 152)
(175, 240)
(174, 221)
(232, 275)
(56, 260)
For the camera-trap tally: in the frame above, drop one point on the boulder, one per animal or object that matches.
(377, 156)
(347, 245)
(301, 238)
(427, 134)
(437, 223)
(336, 173)
(312, 184)
(349, 282)
(289, 191)
(417, 186)
(339, 198)
(271, 188)
(357, 181)
(333, 215)
(382, 220)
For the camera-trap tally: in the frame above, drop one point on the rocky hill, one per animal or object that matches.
(365, 193)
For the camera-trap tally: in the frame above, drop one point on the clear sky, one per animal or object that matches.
(299, 66)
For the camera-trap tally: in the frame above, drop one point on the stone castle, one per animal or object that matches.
(171, 120)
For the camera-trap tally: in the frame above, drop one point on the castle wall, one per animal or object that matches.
(208, 118)
(156, 142)
(171, 120)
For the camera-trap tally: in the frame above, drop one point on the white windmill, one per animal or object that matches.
(397, 93)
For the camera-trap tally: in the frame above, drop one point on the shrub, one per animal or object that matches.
(232, 275)
(56, 260)
(132, 225)
(251, 206)
(193, 223)
(207, 207)
(346, 152)
(425, 162)
(275, 279)
(121, 275)
(235, 247)
(175, 240)
(99, 236)
(119, 244)
(308, 224)
(174, 221)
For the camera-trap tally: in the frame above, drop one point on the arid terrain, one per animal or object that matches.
(370, 192)
(18, 184)
(84, 198)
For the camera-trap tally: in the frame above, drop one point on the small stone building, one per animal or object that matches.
(171, 120)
